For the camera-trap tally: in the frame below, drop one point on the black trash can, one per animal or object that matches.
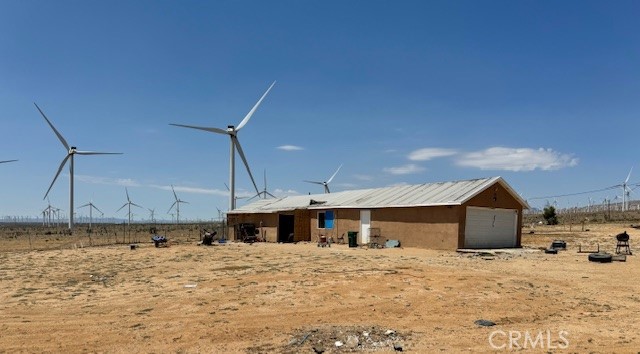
(353, 238)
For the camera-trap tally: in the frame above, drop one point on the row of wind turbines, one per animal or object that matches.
(231, 131)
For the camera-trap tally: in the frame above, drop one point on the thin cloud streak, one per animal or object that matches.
(404, 170)
(430, 153)
(290, 148)
(125, 182)
(517, 159)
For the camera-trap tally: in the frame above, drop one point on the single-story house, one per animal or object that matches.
(479, 213)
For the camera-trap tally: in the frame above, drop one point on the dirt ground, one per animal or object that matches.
(300, 298)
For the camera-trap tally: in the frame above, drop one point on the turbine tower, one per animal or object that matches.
(177, 205)
(128, 203)
(71, 151)
(264, 192)
(235, 144)
(326, 183)
(626, 191)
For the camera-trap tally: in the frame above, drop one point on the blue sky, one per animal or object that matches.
(543, 93)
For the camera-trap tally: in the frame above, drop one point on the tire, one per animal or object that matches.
(558, 244)
(600, 257)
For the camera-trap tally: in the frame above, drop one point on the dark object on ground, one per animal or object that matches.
(551, 251)
(397, 347)
(559, 244)
(352, 238)
(207, 238)
(600, 257)
(133, 246)
(318, 349)
(248, 232)
(159, 240)
(392, 244)
(324, 241)
(623, 244)
(484, 323)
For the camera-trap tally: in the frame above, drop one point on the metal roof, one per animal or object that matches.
(428, 194)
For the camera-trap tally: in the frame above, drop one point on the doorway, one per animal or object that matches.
(285, 228)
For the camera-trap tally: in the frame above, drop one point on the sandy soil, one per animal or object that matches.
(302, 298)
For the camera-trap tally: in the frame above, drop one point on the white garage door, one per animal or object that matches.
(490, 228)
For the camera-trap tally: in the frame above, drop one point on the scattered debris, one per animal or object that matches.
(392, 244)
(190, 286)
(619, 258)
(159, 240)
(338, 339)
(484, 323)
(551, 251)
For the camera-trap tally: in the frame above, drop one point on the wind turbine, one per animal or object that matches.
(8, 161)
(264, 192)
(233, 135)
(128, 203)
(71, 151)
(625, 190)
(91, 207)
(152, 213)
(177, 205)
(326, 183)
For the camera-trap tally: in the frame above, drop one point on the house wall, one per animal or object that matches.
(267, 223)
(424, 227)
(495, 196)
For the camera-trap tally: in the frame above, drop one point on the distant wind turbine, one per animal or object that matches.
(91, 207)
(177, 205)
(233, 135)
(326, 183)
(71, 151)
(625, 191)
(264, 192)
(128, 203)
(152, 213)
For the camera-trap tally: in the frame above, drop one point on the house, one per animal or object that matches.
(479, 213)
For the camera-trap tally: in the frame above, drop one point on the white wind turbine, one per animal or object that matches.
(625, 191)
(91, 207)
(71, 151)
(326, 183)
(235, 144)
(128, 203)
(177, 205)
(264, 192)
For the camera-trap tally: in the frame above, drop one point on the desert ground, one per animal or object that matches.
(72, 294)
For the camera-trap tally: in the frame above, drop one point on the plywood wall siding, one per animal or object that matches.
(301, 226)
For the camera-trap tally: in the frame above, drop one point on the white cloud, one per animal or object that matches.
(193, 190)
(517, 159)
(290, 148)
(125, 182)
(363, 177)
(283, 193)
(398, 184)
(404, 170)
(430, 153)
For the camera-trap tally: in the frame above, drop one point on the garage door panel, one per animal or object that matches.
(490, 228)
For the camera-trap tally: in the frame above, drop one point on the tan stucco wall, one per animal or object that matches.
(495, 196)
(433, 227)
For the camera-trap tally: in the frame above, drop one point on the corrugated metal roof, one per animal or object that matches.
(428, 194)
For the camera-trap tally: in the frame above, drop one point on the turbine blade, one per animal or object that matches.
(96, 208)
(225, 184)
(273, 196)
(64, 142)
(253, 197)
(125, 204)
(182, 201)
(172, 205)
(64, 161)
(134, 204)
(334, 174)
(629, 175)
(127, 191)
(82, 206)
(8, 161)
(97, 153)
(174, 193)
(212, 130)
(244, 159)
(313, 182)
(253, 110)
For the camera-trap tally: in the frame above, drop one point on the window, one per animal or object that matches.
(325, 219)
